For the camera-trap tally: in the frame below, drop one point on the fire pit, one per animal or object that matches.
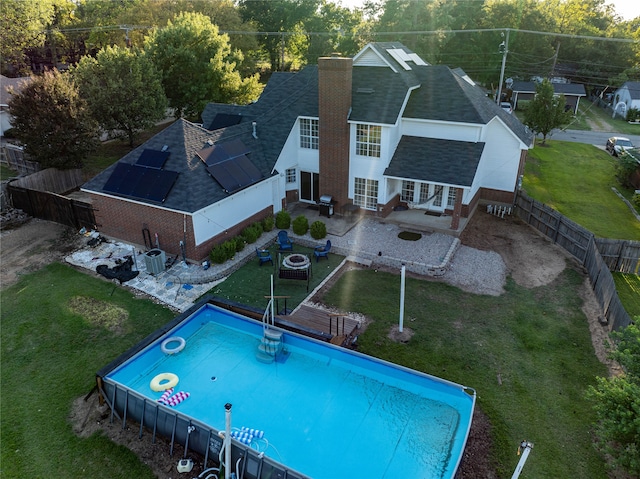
(296, 261)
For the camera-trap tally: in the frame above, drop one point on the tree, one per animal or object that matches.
(53, 122)
(123, 91)
(277, 16)
(197, 65)
(617, 403)
(546, 111)
(22, 26)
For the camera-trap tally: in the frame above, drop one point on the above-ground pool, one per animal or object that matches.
(319, 411)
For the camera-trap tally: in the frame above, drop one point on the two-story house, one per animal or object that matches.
(375, 131)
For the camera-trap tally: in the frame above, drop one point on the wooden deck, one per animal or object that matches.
(341, 327)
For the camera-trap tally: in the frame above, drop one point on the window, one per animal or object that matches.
(366, 193)
(309, 133)
(437, 196)
(451, 197)
(290, 175)
(424, 192)
(408, 187)
(368, 140)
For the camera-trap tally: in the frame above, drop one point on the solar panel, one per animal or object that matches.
(163, 182)
(117, 175)
(223, 152)
(153, 158)
(235, 174)
(223, 120)
(140, 182)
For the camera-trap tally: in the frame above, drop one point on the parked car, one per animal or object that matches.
(617, 144)
(506, 106)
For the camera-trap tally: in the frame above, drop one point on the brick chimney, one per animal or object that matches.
(334, 102)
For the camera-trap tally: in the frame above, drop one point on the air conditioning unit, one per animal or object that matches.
(155, 260)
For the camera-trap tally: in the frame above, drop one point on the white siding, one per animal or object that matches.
(442, 130)
(223, 215)
(498, 168)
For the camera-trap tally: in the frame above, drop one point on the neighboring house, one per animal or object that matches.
(5, 85)
(626, 97)
(526, 90)
(375, 131)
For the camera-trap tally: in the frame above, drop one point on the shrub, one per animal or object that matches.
(283, 220)
(624, 168)
(252, 233)
(318, 230)
(239, 243)
(636, 200)
(268, 223)
(633, 114)
(229, 247)
(300, 225)
(218, 255)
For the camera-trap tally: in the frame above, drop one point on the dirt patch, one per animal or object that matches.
(531, 259)
(33, 245)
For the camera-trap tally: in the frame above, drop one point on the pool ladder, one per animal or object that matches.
(270, 346)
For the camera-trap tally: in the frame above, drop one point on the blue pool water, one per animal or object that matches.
(325, 412)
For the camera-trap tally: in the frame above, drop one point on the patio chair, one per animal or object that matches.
(322, 251)
(264, 256)
(284, 243)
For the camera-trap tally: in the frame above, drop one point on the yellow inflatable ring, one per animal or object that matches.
(164, 381)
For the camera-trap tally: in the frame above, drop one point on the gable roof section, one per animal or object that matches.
(15, 83)
(634, 89)
(378, 94)
(567, 89)
(446, 96)
(436, 161)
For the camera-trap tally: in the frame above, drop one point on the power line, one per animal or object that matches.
(414, 32)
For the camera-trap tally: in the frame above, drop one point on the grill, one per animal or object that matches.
(325, 205)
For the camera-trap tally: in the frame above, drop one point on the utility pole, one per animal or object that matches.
(504, 46)
(555, 60)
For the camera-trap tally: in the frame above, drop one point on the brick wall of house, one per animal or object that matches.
(132, 218)
(334, 102)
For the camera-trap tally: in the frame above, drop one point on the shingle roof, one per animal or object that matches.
(15, 83)
(634, 89)
(434, 160)
(377, 97)
(573, 89)
(194, 189)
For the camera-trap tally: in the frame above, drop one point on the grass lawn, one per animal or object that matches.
(6, 173)
(576, 180)
(59, 327)
(63, 326)
(537, 340)
(251, 283)
(628, 288)
(602, 118)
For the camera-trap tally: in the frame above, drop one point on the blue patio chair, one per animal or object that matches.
(264, 256)
(322, 251)
(284, 243)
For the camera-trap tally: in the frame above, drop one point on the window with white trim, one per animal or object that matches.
(451, 197)
(368, 139)
(424, 192)
(437, 198)
(290, 175)
(408, 188)
(366, 193)
(309, 133)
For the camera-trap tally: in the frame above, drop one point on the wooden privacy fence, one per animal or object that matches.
(13, 157)
(616, 255)
(40, 195)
